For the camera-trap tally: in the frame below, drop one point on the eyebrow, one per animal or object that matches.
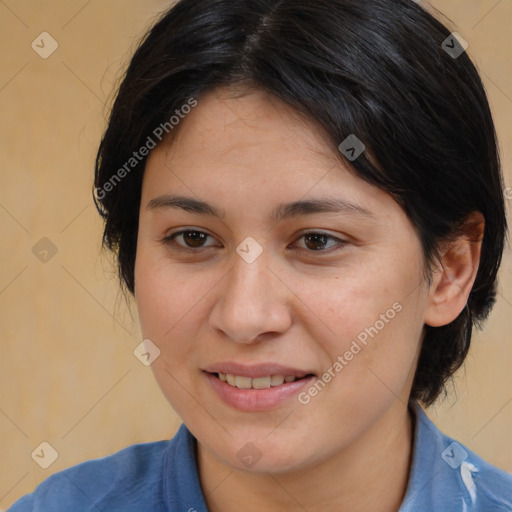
(282, 211)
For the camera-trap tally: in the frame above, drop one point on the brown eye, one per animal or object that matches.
(190, 239)
(194, 238)
(314, 241)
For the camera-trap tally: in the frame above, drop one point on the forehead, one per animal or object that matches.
(228, 123)
(253, 148)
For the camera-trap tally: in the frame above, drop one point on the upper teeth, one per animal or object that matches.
(255, 383)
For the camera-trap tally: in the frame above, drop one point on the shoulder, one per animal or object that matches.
(449, 476)
(117, 482)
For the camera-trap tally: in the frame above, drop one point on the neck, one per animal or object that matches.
(371, 474)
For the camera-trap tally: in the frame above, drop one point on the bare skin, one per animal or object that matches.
(301, 303)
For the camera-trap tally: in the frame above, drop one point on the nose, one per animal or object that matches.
(252, 303)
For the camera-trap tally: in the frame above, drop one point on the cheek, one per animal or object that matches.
(367, 363)
(370, 319)
(165, 295)
(349, 302)
(168, 302)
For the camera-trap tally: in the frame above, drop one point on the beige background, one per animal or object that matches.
(68, 375)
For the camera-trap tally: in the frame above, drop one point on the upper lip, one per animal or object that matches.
(256, 370)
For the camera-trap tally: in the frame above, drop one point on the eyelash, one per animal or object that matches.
(170, 240)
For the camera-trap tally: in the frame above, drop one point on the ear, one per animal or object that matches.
(454, 277)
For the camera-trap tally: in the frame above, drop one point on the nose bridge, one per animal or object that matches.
(252, 301)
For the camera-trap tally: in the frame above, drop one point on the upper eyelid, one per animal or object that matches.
(182, 231)
(188, 230)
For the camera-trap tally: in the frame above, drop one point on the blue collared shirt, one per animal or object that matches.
(163, 477)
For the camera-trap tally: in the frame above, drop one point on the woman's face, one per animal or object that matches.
(264, 282)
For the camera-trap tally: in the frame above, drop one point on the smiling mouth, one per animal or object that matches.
(242, 382)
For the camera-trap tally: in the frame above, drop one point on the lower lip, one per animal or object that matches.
(253, 400)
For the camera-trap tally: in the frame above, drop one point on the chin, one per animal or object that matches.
(259, 454)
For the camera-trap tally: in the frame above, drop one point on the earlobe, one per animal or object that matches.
(456, 273)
